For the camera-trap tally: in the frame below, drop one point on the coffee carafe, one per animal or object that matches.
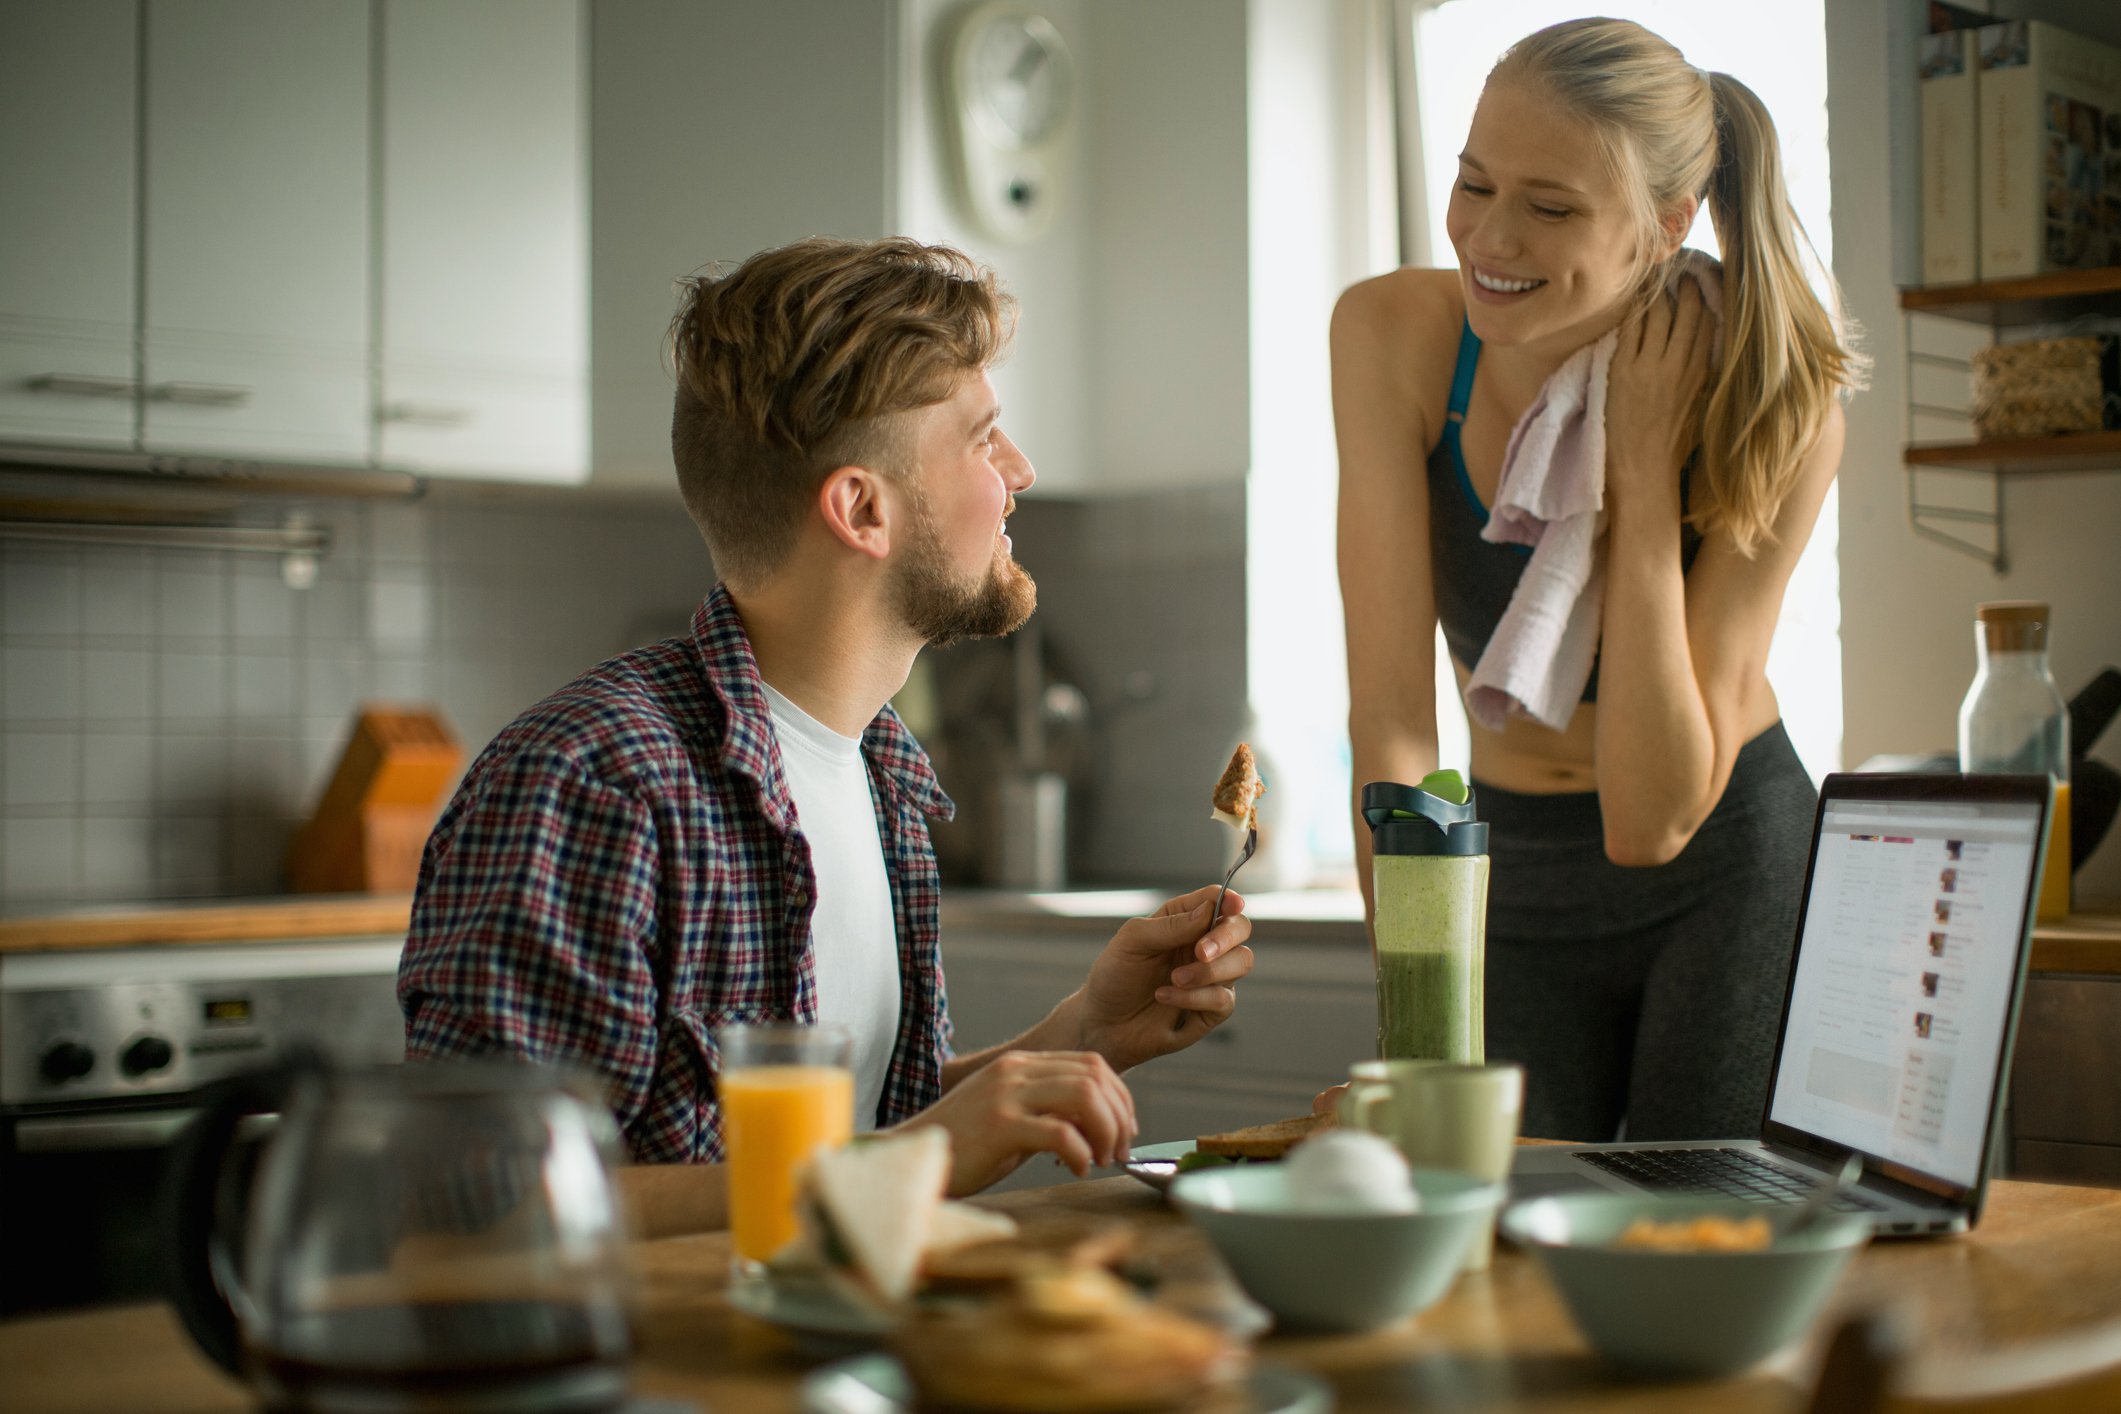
(438, 1238)
(1429, 891)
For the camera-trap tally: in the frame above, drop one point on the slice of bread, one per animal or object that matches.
(1264, 1141)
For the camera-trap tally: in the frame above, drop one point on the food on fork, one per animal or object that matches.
(1070, 1340)
(1263, 1141)
(1708, 1233)
(1237, 794)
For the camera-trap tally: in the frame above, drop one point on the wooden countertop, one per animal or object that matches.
(2046, 1262)
(210, 921)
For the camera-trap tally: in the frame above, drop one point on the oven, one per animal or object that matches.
(102, 1051)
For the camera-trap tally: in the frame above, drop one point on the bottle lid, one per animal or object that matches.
(1406, 819)
(2013, 625)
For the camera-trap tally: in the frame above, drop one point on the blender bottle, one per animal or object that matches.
(1429, 872)
(2013, 720)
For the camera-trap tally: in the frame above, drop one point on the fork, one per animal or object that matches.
(1251, 844)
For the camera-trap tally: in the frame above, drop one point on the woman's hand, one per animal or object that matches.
(1654, 396)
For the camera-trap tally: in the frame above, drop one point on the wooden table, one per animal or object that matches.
(2046, 1261)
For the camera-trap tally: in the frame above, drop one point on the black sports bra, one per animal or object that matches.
(1474, 578)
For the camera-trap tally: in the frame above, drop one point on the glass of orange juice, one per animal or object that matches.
(787, 1091)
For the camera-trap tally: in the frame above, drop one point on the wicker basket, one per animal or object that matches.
(2044, 387)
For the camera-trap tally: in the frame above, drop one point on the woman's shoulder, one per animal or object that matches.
(1403, 302)
(1407, 320)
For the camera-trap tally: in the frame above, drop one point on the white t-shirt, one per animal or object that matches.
(852, 933)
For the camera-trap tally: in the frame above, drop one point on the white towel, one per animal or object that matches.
(1551, 496)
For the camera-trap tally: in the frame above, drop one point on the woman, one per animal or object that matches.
(1648, 857)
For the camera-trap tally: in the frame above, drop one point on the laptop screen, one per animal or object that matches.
(1906, 974)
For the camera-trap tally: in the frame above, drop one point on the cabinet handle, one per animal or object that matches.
(84, 385)
(205, 395)
(438, 415)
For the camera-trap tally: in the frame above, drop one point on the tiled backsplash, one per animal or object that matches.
(1141, 605)
(168, 716)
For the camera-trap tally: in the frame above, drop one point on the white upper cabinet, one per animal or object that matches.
(68, 259)
(255, 321)
(484, 259)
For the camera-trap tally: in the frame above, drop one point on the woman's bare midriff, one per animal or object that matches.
(1528, 758)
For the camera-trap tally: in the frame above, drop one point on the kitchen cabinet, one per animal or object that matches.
(484, 259)
(1308, 1010)
(68, 258)
(255, 312)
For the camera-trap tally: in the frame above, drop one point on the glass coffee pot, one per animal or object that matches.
(438, 1238)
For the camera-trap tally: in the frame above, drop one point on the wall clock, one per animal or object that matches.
(1012, 95)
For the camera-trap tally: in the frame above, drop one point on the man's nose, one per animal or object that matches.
(1014, 466)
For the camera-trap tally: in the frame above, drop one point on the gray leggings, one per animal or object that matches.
(1653, 994)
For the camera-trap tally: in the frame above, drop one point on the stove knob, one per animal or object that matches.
(66, 1060)
(146, 1054)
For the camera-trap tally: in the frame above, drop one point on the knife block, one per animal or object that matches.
(375, 815)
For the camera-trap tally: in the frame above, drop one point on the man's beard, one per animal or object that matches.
(942, 608)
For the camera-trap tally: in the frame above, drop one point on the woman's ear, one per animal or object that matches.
(1673, 226)
(852, 503)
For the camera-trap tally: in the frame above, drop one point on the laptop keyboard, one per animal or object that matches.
(1729, 1173)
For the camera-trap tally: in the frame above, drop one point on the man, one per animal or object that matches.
(733, 826)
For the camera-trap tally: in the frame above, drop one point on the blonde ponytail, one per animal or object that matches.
(1784, 360)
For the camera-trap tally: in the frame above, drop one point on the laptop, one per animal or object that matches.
(1898, 1019)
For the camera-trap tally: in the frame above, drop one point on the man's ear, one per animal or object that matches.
(853, 503)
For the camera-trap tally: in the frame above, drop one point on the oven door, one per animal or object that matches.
(84, 1194)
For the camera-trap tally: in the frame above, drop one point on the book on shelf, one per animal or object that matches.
(2048, 119)
(1951, 238)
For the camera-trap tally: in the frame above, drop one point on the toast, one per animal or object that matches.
(1263, 1141)
(1236, 799)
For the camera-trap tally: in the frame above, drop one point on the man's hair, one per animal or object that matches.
(801, 360)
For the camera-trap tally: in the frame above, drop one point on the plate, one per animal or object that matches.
(1157, 1164)
(877, 1384)
(822, 1320)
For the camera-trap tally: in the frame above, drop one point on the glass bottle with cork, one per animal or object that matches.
(2014, 720)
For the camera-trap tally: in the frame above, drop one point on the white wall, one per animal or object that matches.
(1129, 369)
(715, 132)
(1167, 286)
(1907, 604)
(1043, 386)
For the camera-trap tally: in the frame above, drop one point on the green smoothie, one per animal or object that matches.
(1431, 928)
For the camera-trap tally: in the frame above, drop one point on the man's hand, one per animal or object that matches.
(1163, 982)
(1070, 1104)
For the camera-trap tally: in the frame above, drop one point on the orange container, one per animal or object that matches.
(382, 800)
(776, 1117)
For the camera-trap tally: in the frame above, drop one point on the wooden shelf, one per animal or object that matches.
(2081, 451)
(2088, 941)
(2034, 299)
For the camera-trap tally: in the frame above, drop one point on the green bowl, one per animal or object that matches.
(1682, 1313)
(1341, 1271)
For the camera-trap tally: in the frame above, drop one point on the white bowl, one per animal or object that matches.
(1340, 1271)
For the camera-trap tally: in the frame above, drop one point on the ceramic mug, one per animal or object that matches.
(1461, 1117)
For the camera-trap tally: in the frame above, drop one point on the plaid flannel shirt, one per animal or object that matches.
(622, 871)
